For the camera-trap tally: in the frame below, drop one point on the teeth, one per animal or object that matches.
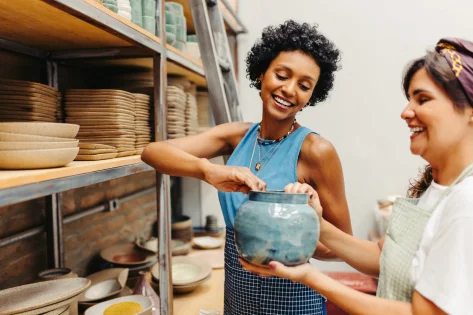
(282, 102)
(417, 129)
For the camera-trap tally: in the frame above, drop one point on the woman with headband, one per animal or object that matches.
(425, 260)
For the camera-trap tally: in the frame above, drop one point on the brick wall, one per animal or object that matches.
(84, 238)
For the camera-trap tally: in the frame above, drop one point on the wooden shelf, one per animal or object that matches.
(71, 25)
(10, 179)
(228, 17)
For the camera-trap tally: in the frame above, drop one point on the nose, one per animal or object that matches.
(289, 88)
(408, 112)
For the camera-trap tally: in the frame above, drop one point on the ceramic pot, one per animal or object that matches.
(276, 226)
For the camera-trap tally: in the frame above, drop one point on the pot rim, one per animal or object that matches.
(278, 196)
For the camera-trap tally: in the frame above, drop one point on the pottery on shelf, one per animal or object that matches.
(277, 226)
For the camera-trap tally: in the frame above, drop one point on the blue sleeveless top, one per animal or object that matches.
(279, 171)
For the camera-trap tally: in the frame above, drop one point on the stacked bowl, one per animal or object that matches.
(187, 273)
(36, 145)
(28, 101)
(176, 27)
(192, 121)
(111, 5)
(124, 9)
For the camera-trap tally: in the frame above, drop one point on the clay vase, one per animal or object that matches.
(277, 226)
(143, 287)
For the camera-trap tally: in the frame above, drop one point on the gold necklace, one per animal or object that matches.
(259, 164)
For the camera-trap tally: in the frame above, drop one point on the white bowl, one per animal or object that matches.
(14, 145)
(34, 159)
(144, 301)
(102, 290)
(17, 137)
(41, 129)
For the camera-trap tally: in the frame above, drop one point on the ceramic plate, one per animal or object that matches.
(126, 254)
(208, 242)
(37, 295)
(35, 159)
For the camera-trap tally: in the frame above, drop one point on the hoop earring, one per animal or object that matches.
(257, 81)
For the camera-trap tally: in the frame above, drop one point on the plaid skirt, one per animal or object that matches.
(250, 294)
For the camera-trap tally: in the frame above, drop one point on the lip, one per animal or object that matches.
(282, 107)
(414, 135)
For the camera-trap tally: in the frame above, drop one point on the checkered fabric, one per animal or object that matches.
(250, 294)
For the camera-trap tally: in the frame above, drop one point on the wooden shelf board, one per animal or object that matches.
(9, 179)
(174, 69)
(40, 25)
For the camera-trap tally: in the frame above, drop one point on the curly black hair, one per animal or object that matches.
(293, 36)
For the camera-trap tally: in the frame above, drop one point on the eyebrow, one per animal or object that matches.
(417, 91)
(308, 77)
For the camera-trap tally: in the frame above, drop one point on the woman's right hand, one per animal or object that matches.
(314, 200)
(232, 178)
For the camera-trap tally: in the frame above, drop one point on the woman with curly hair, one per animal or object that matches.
(293, 66)
(424, 262)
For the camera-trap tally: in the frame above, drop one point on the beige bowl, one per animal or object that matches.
(14, 145)
(41, 129)
(34, 159)
(17, 137)
(144, 301)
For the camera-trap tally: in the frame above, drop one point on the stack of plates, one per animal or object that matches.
(178, 247)
(35, 145)
(95, 152)
(48, 297)
(27, 101)
(187, 273)
(204, 113)
(105, 116)
(192, 122)
(176, 103)
(142, 121)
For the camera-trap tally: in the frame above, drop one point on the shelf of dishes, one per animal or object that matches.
(46, 135)
(127, 275)
(88, 24)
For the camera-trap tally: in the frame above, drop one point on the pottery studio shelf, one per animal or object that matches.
(21, 185)
(232, 23)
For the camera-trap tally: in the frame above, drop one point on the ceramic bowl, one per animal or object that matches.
(15, 145)
(144, 301)
(185, 270)
(207, 242)
(36, 159)
(56, 273)
(102, 290)
(189, 287)
(59, 130)
(278, 226)
(181, 222)
(127, 255)
(17, 137)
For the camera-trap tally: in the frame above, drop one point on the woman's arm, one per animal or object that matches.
(350, 300)
(321, 168)
(189, 156)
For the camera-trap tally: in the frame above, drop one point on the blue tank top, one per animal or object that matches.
(280, 170)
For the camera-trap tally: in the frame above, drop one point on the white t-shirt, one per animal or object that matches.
(442, 268)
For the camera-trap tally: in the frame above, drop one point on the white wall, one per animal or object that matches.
(362, 116)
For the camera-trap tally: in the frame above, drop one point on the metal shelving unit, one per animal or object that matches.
(59, 30)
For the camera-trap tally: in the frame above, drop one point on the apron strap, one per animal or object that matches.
(466, 172)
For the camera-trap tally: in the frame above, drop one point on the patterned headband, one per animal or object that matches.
(459, 55)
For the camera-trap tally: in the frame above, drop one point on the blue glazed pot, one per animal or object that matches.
(276, 226)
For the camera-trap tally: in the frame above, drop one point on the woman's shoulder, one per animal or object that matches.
(316, 150)
(461, 198)
(232, 132)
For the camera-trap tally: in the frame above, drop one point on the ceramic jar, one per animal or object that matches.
(276, 226)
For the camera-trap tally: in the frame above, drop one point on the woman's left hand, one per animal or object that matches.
(295, 274)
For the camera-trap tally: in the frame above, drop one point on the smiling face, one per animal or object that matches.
(438, 127)
(288, 83)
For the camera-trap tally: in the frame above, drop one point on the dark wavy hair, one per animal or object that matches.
(293, 36)
(439, 70)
